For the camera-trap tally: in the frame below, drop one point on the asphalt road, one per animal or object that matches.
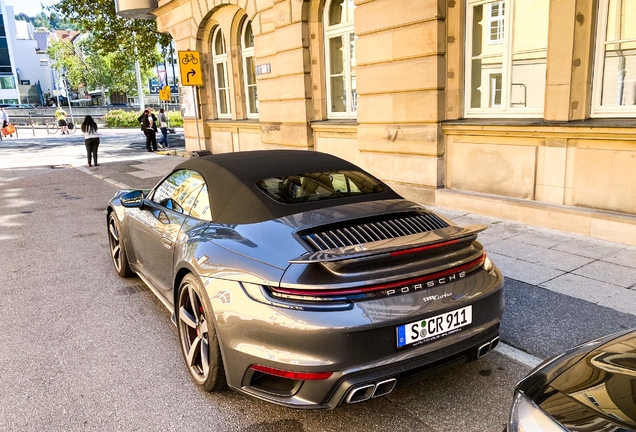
(82, 349)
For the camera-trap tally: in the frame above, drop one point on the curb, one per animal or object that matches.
(517, 355)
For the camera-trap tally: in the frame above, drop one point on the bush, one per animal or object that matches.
(128, 119)
(174, 118)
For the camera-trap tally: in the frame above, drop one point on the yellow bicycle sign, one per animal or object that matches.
(190, 68)
(189, 57)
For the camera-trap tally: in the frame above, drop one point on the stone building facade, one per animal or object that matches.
(518, 109)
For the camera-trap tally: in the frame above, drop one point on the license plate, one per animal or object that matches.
(433, 328)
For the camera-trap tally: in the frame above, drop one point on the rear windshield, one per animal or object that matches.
(301, 188)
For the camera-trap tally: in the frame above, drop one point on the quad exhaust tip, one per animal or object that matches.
(367, 391)
(487, 347)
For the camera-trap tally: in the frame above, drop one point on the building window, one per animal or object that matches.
(495, 90)
(249, 71)
(496, 22)
(44, 62)
(506, 52)
(219, 60)
(340, 58)
(614, 87)
(7, 82)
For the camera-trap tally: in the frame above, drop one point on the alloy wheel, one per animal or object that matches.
(193, 330)
(115, 245)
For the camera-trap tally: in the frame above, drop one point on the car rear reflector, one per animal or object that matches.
(291, 374)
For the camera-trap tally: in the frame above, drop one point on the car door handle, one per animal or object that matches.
(166, 242)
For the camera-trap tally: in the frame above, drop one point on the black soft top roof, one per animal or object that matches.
(232, 178)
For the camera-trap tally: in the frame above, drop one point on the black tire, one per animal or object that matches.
(197, 336)
(117, 251)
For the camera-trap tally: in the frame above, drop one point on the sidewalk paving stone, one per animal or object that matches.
(625, 257)
(144, 174)
(591, 248)
(524, 271)
(505, 230)
(539, 239)
(514, 249)
(583, 288)
(558, 260)
(608, 272)
(624, 301)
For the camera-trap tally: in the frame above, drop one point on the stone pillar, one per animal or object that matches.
(568, 91)
(282, 42)
(401, 77)
(455, 36)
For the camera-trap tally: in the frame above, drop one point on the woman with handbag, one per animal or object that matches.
(91, 139)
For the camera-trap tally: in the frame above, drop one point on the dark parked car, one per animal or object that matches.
(589, 388)
(298, 278)
(118, 105)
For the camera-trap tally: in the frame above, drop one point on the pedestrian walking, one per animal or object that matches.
(60, 115)
(91, 139)
(163, 125)
(149, 127)
(4, 116)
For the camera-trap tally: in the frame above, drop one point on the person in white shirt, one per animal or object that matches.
(91, 139)
(4, 116)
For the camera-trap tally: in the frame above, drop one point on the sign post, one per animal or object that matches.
(190, 68)
(164, 96)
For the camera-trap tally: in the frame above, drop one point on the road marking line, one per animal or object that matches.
(517, 355)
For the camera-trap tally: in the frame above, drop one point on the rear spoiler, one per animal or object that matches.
(396, 245)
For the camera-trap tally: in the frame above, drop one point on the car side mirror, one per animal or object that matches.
(132, 199)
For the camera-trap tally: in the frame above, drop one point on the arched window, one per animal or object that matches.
(219, 60)
(249, 70)
(340, 58)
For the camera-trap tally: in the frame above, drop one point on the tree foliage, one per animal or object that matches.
(85, 66)
(52, 22)
(113, 34)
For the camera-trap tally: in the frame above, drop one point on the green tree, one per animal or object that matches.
(115, 34)
(53, 21)
(84, 66)
(41, 20)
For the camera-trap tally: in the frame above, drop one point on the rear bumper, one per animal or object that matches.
(370, 383)
(358, 346)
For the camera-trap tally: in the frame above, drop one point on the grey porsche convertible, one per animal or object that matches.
(298, 278)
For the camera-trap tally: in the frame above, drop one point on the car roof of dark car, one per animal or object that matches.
(235, 197)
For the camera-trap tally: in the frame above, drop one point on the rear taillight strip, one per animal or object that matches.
(423, 248)
(352, 291)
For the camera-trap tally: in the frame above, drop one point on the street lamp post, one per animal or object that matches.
(140, 89)
(68, 96)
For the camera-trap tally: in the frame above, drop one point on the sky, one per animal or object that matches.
(29, 7)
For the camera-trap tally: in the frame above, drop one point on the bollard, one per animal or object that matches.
(33, 127)
(46, 123)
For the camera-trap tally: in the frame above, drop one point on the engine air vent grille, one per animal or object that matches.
(368, 230)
